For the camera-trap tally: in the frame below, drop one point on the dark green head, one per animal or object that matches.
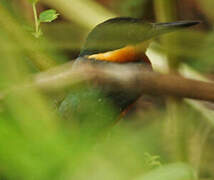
(122, 31)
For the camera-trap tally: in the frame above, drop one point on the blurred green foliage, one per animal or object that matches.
(135, 8)
(40, 141)
(33, 1)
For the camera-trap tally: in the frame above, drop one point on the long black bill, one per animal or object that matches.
(161, 28)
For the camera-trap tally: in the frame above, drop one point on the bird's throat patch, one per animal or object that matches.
(123, 55)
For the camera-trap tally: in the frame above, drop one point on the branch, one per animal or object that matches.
(129, 76)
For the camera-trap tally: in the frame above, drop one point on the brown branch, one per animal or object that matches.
(124, 76)
(128, 76)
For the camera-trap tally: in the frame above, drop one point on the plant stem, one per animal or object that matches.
(173, 132)
(165, 10)
(36, 20)
(35, 50)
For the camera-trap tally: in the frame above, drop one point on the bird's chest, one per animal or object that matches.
(118, 94)
(121, 97)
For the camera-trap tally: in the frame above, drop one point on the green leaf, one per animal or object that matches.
(48, 15)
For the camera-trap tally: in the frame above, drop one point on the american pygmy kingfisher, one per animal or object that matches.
(122, 40)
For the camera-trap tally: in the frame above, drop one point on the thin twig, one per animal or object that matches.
(36, 20)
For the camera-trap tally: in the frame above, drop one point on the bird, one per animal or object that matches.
(120, 40)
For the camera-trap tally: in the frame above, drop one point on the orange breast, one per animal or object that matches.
(126, 54)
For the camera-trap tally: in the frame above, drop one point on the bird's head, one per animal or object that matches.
(121, 39)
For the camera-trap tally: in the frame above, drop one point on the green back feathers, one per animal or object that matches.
(119, 32)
